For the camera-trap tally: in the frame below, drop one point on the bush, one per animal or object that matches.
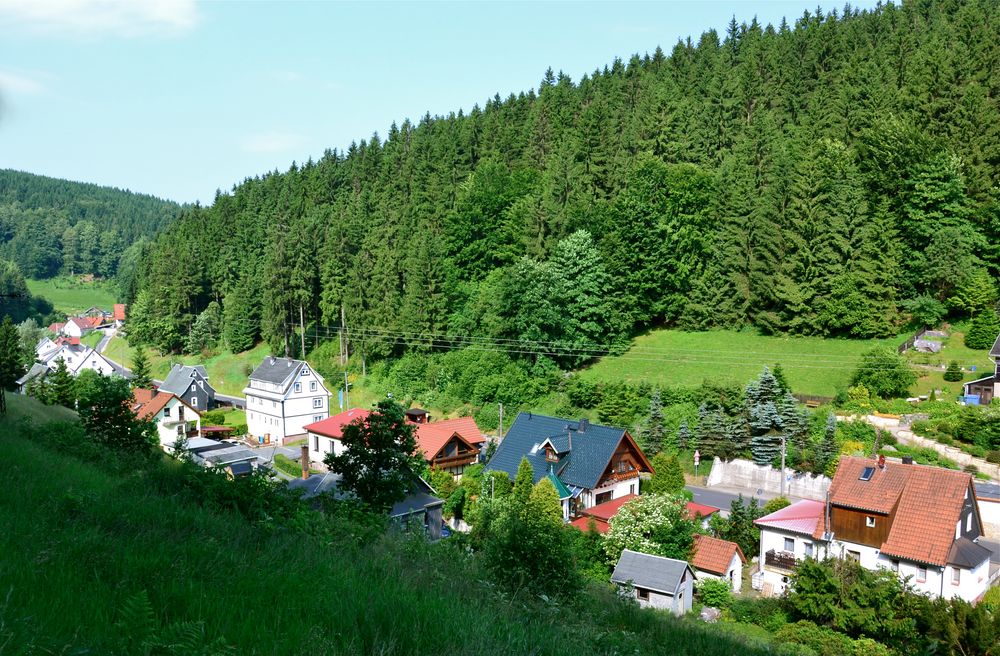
(970, 469)
(993, 456)
(213, 418)
(824, 641)
(714, 592)
(884, 373)
(765, 612)
(953, 373)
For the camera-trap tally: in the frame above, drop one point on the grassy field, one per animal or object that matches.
(93, 338)
(81, 547)
(812, 365)
(227, 372)
(71, 296)
(20, 407)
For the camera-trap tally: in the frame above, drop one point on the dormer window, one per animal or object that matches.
(870, 521)
(550, 454)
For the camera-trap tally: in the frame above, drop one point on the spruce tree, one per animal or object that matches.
(826, 450)
(141, 378)
(653, 430)
(62, 389)
(11, 354)
(953, 373)
(524, 482)
(685, 439)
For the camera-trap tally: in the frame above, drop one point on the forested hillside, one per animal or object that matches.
(48, 226)
(833, 175)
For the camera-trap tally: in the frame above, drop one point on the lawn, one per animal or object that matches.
(227, 372)
(20, 406)
(93, 338)
(71, 296)
(812, 365)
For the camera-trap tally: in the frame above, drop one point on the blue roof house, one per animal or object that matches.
(587, 463)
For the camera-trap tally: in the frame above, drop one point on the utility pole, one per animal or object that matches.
(347, 392)
(782, 464)
(343, 336)
(500, 432)
(302, 326)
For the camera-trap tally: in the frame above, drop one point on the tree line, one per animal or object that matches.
(834, 175)
(50, 226)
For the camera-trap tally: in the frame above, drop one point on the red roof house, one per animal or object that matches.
(451, 444)
(119, 312)
(602, 513)
(333, 427)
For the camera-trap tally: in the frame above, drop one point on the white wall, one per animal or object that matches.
(989, 511)
(751, 476)
(282, 415)
(775, 539)
(326, 445)
(618, 490)
(166, 426)
(734, 574)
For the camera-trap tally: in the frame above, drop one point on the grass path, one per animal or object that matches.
(813, 365)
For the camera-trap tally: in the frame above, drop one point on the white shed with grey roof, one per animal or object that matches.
(656, 581)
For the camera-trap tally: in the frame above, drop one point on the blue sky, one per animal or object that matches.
(178, 98)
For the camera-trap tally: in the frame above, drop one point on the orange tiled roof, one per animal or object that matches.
(713, 555)
(148, 404)
(119, 312)
(583, 523)
(334, 426)
(432, 437)
(928, 503)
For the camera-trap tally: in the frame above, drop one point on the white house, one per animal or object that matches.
(657, 582)
(283, 396)
(718, 559)
(80, 326)
(174, 418)
(324, 436)
(78, 358)
(921, 522)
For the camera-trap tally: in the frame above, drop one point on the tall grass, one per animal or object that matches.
(79, 541)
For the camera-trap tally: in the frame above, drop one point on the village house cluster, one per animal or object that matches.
(923, 523)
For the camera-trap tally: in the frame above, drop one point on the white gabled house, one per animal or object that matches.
(78, 357)
(283, 397)
(173, 417)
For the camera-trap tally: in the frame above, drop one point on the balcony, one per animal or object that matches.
(780, 560)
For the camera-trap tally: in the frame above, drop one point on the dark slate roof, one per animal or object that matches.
(316, 484)
(37, 369)
(987, 490)
(654, 573)
(582, 465)
(179, 378)
(995, 351)
(967, 554)
(276, 370)
(415, 503)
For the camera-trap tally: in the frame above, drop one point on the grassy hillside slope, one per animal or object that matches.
(81, 544)
(71, 296)
(812, 365)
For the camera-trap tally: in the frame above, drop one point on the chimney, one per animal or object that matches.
(584, 424)
(907, 460)
(305, 461)
(881, 462)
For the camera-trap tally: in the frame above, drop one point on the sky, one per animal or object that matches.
(179, 98)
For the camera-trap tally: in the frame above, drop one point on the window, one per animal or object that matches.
(921, 573)
(312, 386)
(956, 576)
(790, 545)
(315, 442)
(631, 489)
(180, 430)
(642, 594)
(854, 555)
(809, 549)
(166, 412)
(602, 497)
(305, 371)
(894, 565)
(866, 474)
(274, 404)
(870, 521)
(968, 522)
(194, 401)
(318, 418)
(297, 387)
(180, 413)
(317, 403)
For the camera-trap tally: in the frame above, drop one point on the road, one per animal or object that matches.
(103, 344)
(722, 498)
